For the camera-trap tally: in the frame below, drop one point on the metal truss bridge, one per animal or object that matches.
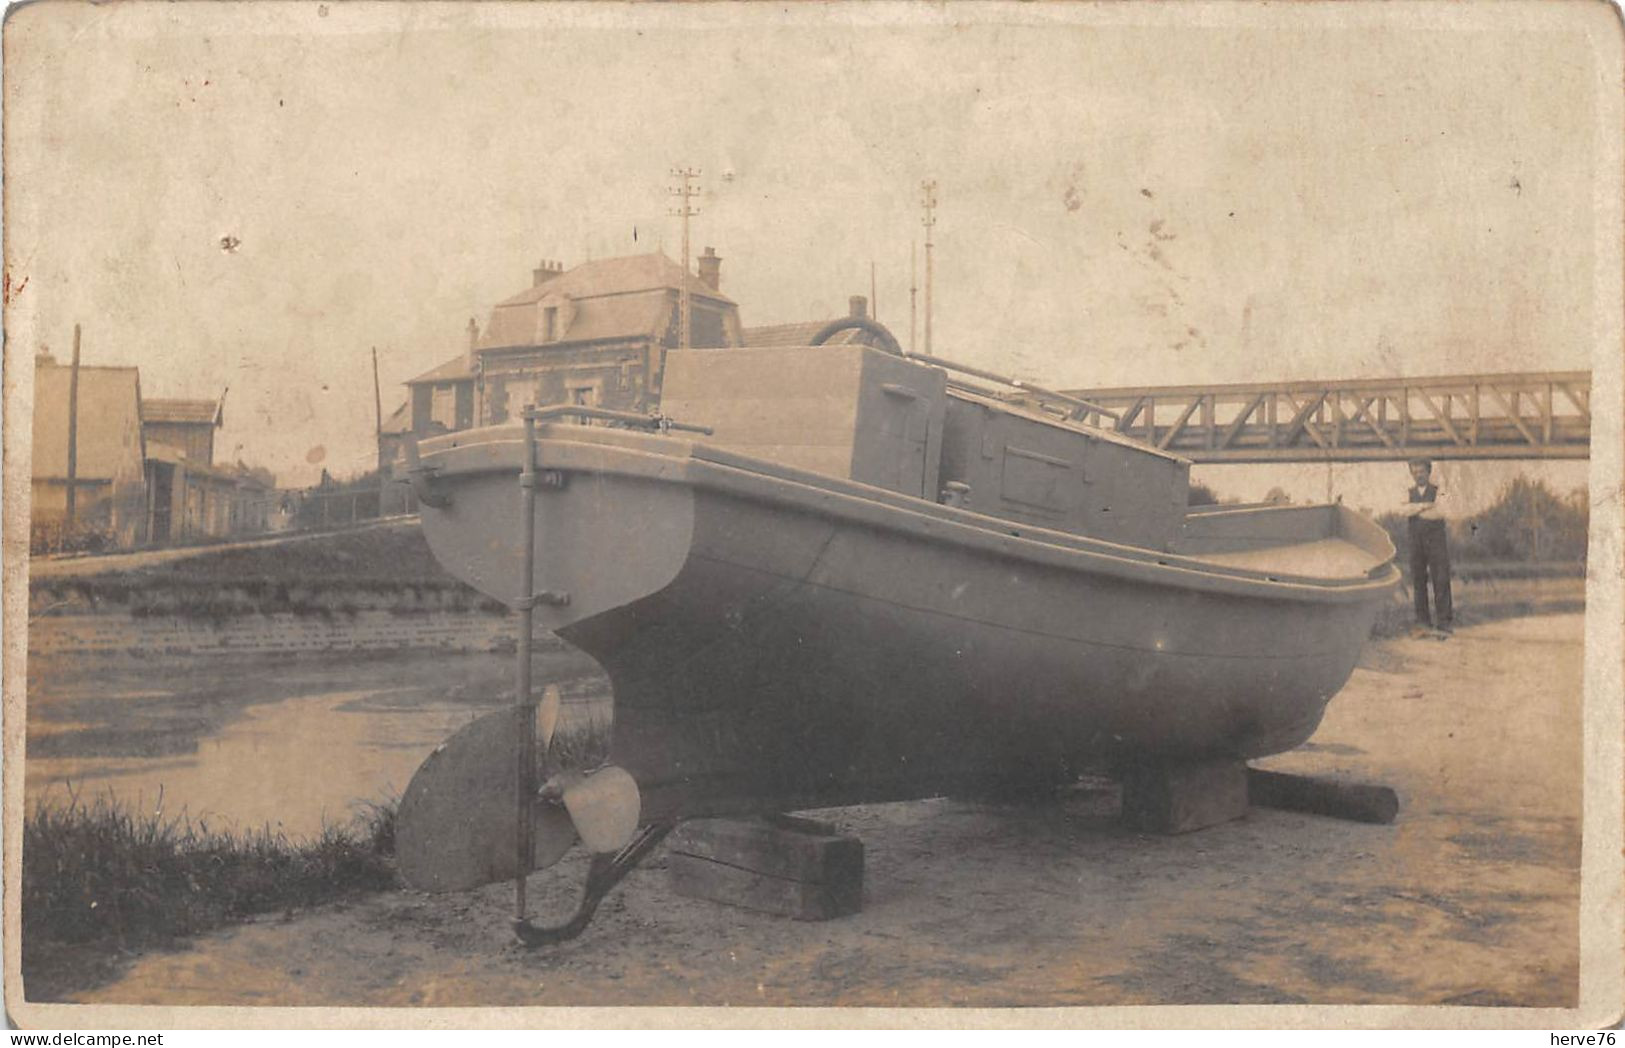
(1530, 415)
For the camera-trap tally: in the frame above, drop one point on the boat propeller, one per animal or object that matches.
(458, 826)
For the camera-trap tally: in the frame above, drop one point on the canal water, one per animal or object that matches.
(250, 744)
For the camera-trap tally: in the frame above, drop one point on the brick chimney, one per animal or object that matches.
(545, 272)
(857, 306)
(711, 269)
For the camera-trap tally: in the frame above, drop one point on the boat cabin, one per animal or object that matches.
(862, 414)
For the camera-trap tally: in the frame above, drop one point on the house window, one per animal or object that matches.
(585, 395)
(550, 324)
(443, 407)
(497, 402)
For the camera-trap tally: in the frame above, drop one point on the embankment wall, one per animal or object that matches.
(206, 619)
(178, 616)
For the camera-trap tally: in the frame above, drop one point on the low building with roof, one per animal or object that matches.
(803, 332)
(393, 432)
(189, 499)
(188, 495)
(186, 425)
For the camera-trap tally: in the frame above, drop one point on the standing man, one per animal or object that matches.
(1430, 550)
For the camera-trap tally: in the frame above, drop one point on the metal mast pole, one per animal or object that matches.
(377, 401)
(377, 431)
(73, 435)
(913, 294)
(685, 192)
(525, 772)
(929, 186)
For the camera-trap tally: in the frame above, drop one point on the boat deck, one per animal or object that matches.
(1330, 558)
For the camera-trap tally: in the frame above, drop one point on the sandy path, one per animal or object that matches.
(1470, 898)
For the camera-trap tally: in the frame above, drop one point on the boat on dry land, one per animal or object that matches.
(849, 576)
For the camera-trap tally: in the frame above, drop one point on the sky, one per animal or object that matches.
(1127, 195)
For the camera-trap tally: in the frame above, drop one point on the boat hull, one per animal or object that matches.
(778, 641)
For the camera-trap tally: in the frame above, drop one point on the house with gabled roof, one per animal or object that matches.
(596, 334)
(109, 453)
(185, 425)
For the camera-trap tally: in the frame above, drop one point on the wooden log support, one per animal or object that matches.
(1340, 800)
(794, 867)
(1179, 798)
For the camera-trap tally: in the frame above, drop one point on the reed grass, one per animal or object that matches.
(103, 871)
(102, 878)
(100, 872)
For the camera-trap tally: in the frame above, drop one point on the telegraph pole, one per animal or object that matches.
(913, 294)
(73, 435)
(929, 188)
(377, 399)
(685, 192)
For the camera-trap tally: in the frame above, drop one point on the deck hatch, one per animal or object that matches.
(1035, 479)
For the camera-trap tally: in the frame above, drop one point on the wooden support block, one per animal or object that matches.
(1340, 800)
(802, 824)
(1179, 798)
(789, 866)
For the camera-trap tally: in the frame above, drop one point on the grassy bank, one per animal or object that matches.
(387, 567)
(100, 880)
(103, 882)
(395, 552)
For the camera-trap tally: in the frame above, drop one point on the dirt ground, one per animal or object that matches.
(1470, 898)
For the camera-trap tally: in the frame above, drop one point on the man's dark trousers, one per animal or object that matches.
(1430, 558)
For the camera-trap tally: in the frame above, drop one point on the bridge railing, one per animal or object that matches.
(1538, 415)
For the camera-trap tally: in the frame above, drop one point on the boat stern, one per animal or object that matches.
(604, 537)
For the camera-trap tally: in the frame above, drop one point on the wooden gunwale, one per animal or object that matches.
(684, 462)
